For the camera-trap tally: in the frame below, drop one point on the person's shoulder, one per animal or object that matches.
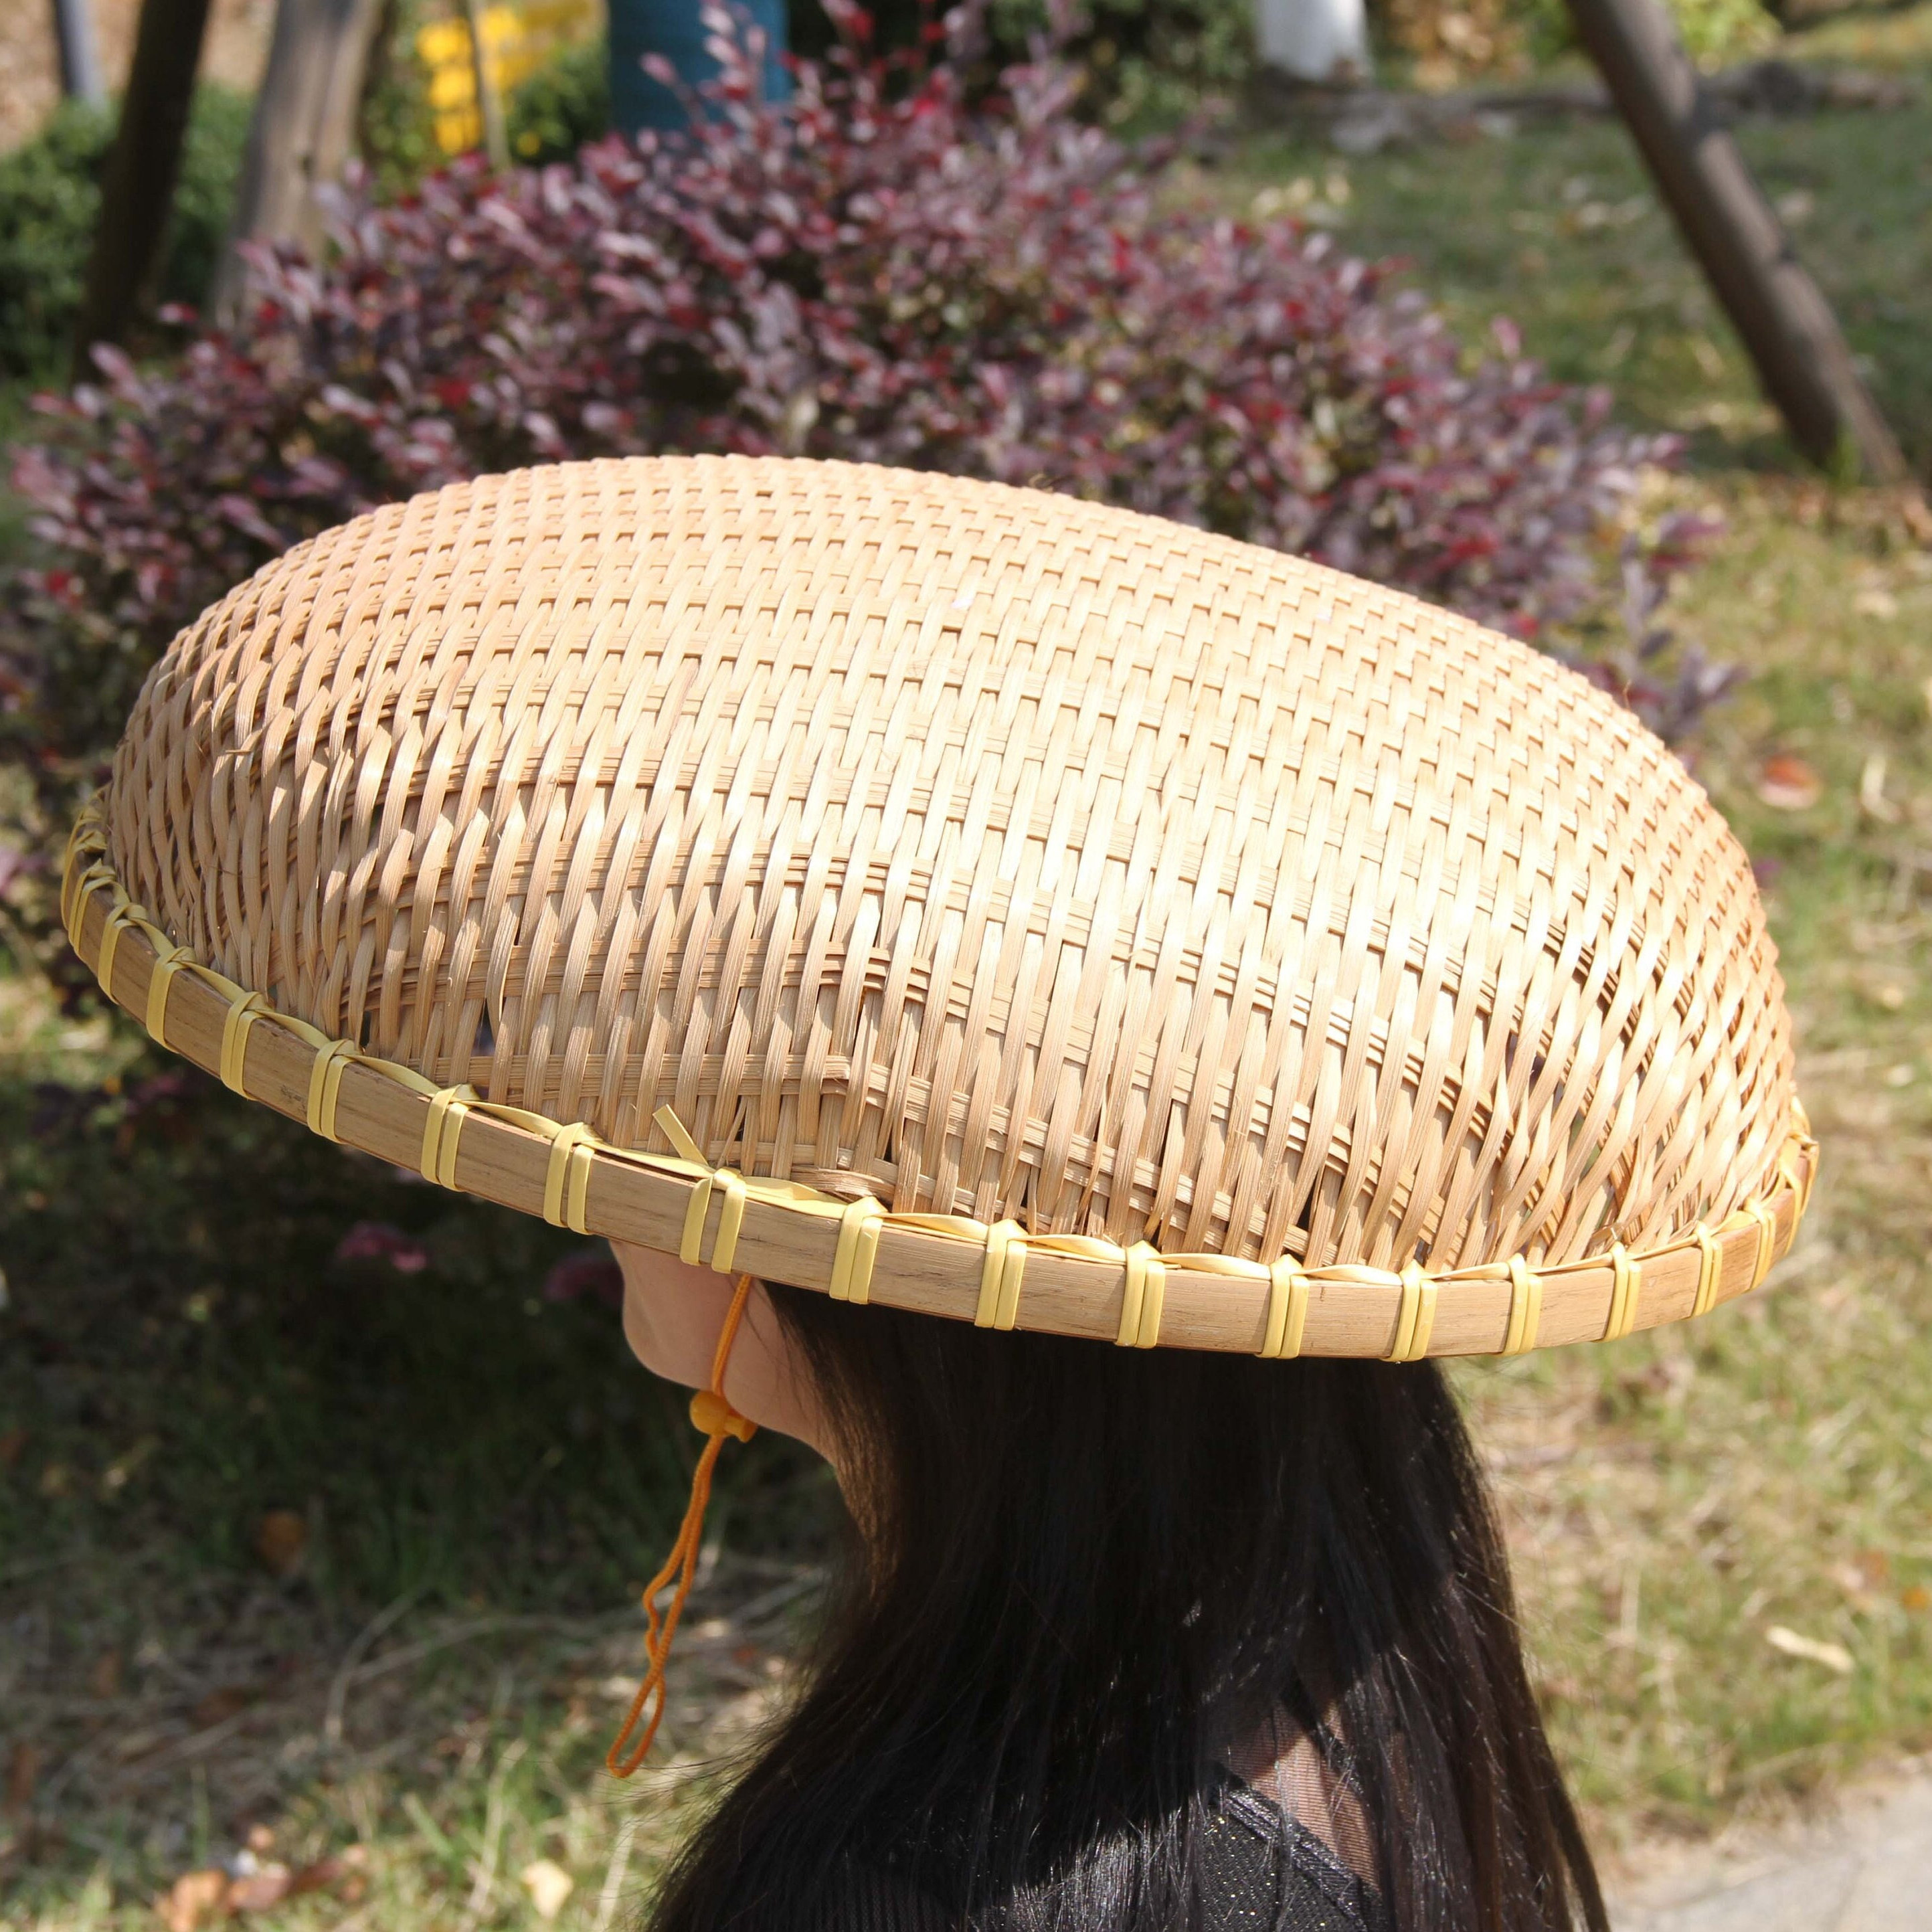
(1262, 1870)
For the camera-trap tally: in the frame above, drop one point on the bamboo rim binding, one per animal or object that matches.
(949, 1265)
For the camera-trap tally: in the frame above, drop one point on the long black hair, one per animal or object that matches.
(1082, 1575)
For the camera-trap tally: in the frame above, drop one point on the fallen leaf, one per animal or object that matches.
(281, 1539)
(1832, 1656)
(1850, 1578)
(1874, 1566)
(23, 1772)
(258, 1890)
(56, 1479)
(1872, 800)
(1915, 1597)
(1875, 604)
(548, 1884)
(104, 1679)
(1787, 783)
(12, 1441)
(219, 1705)
(192, 1897)
(118, 1474)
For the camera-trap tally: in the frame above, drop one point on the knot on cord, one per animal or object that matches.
(711, 1415)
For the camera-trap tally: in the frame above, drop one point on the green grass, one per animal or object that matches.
(468, 1469)
(1560, 232)
(481, 1475)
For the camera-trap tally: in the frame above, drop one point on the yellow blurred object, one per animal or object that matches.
(516, 41)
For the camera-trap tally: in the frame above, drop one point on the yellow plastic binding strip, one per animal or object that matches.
(443, 1132)
(730, 1220)
(1143, 1297)
(1000, 1273)
(1415, 1317)
(1133, 1291)
(1710, 1259)
(236, 1025)
(1006, 1315)
(1626, 1289)
(1525, 1314)
(691, 1243)
(1791, 1158)
(567, 1176)
(98, 876)
(1288, 1312)
(1760, 1212)
(325, 1086)
(859, 1227)
(124, 913)
(160, 978)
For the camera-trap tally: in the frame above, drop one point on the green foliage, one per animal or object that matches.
(1156, 58)
(1716, 30)
(50, 201)
(1152, 60)
(1713, 32)
(394, 132)
(50, 196)
(547, 117)
(564, 104)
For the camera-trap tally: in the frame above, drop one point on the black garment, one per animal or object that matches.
(1260, 1872)
(1265, 1873)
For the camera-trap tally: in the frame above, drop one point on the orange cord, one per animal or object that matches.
(712, 1413)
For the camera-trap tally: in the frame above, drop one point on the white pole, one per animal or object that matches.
(1314, 40)
(80, 64)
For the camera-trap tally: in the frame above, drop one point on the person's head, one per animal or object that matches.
(1088, 1576)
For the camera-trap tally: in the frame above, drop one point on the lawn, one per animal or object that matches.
(319, 1562)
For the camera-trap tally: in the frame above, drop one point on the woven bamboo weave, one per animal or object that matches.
(966, 899)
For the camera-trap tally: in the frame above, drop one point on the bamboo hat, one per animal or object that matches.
(962, 899)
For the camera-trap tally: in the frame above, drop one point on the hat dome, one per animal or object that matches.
(1003, 860)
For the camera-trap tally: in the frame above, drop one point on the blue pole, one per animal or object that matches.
(672, 28)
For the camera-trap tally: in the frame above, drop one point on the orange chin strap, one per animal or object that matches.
(711, 1413)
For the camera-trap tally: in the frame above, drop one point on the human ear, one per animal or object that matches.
(674, 1313)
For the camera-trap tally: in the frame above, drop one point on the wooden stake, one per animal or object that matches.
(80, 63)
(1786, 324)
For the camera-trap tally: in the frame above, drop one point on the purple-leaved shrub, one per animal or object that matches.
(882, 270)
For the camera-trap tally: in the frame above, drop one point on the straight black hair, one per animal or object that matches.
(1084, 1574)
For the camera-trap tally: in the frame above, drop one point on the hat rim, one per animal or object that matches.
(996, 1276)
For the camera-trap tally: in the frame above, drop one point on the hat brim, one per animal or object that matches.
(857, 1249)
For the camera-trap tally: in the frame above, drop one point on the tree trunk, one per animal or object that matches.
(79, 63)
(303, 131)
(139, 188)
(489, 96)
(1787, 324)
